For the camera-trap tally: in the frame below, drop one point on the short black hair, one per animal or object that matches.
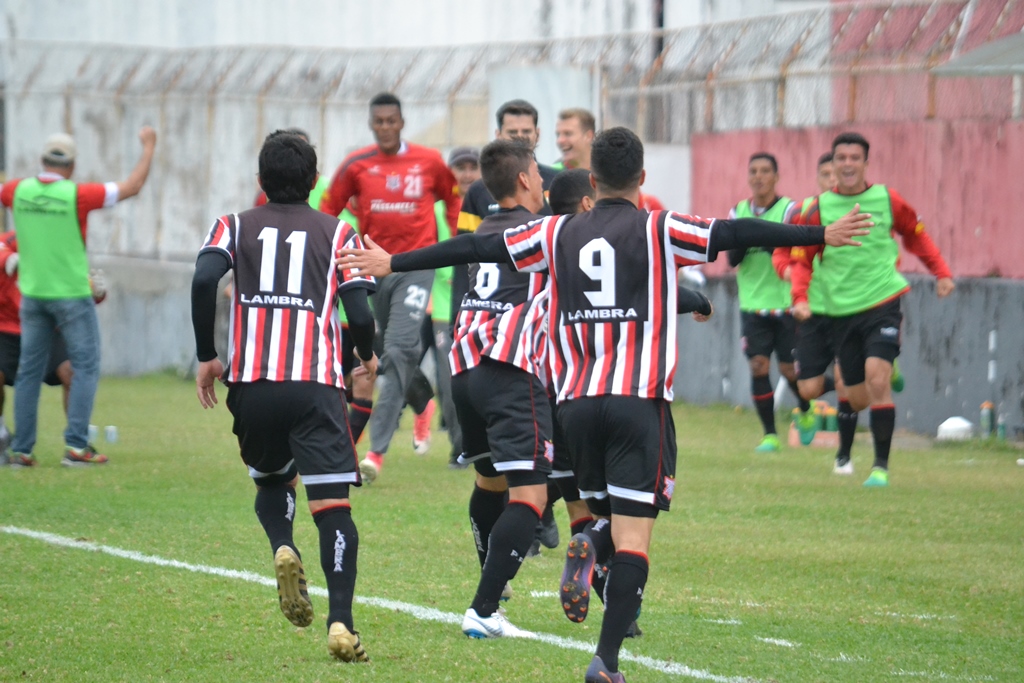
(568, 189)
(385, 99)
(825, 158)
(851, 139)
(516, 108)
(287, 167)
(617, 159)
(770, 158)
(501, 162)
(300, 132)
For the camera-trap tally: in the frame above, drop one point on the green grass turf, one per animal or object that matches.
(922, 581)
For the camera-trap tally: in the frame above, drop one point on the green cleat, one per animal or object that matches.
(807, 425)
(896, 381)
(769, 444)
(879, 477)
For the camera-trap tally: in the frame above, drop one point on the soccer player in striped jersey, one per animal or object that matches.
(864, 288)
(284, 374)
(612, 329)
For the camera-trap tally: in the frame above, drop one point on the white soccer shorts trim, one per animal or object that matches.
(315, 479)
(256, 474)
(630, 494)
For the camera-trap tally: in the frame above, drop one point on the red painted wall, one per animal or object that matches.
(965, 178)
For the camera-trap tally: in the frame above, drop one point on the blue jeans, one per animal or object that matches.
(76, 319)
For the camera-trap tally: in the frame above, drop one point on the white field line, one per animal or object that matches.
(777, 641)
(922, 617)
(415, 611)
(939, 675)
(543, 594)
(726, 622)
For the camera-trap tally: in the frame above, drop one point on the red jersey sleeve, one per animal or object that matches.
(447, 190)
(221, 238)
(801, 259)
(907, 222)
(7, 192)
(341, 189)
(261, 198)
(781, 258)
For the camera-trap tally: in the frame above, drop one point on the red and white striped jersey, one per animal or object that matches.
(283, 326)
(501, 315)
(613, 290)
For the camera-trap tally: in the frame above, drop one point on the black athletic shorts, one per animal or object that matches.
(10, 352)
(562, 472)
(506, 422)
(624, 448)
(284, 428)
(815, 346)
(763, 334)
(874, 333)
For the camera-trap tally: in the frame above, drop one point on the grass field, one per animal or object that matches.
(769, 568)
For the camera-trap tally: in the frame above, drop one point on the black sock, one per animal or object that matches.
(805, 405)
(358, 415)
(579, 525)
(830, 385)
(510, 539)
(764, 400)
(627, 576)
(339, 551)
(484, 509)
(600, 533)
(883, 421)
(846, 417)
(275, 508)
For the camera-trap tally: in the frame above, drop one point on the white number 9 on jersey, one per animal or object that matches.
(597, 261)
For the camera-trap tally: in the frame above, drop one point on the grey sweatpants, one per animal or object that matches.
(399, 306)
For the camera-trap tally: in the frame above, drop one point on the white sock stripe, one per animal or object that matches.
(415, 611)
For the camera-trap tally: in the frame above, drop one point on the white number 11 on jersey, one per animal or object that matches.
(268, 262)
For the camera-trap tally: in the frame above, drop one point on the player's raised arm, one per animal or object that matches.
(469, 248)
(130, 186)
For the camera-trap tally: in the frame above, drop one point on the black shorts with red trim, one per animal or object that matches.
(874, 333)
(562, 474)
(624, 449)
(765, 334)
(10, 353)
(815, 346)
(506, 422)
(289, 428)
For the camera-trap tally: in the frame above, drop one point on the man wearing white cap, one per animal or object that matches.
(50, 213)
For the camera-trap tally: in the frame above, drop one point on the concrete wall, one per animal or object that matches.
(945, 354)
(961, 176)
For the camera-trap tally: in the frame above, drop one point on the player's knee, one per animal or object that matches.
(788, 370)
(759, 365)
(811, 389)
(495, 484)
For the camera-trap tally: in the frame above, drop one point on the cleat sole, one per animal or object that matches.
(291, 587)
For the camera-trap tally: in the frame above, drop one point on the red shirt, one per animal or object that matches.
(10, 295)
(395, 195)
(905, 221)
(650, 202)
(90, 196)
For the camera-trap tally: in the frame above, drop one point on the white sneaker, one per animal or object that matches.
(494, 626)
(844, 469)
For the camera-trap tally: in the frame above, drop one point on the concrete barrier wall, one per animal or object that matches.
(945, 355)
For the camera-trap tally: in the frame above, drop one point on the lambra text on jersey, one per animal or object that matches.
(602, 314)
(381, 206)
(272, 300)
(487, 305)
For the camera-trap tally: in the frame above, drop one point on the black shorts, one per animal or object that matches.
(763, 334)
(506, 422)
(815, 346)
(874, 333)
(284, 428)
(624, 448)
(10, 352)
(561, 466)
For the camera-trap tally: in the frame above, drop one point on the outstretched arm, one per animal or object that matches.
(754, 232)
(469, 248)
